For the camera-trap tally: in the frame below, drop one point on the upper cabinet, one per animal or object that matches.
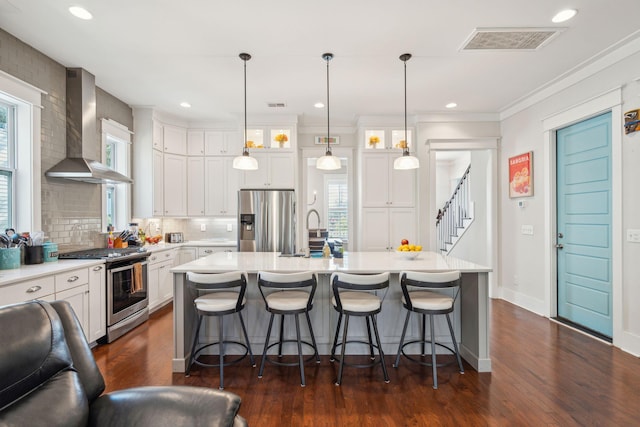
(195, 143)
(384, 186)
(275, 170)
(175, 139)
(221, 143)
(270, 138)
(386, 139)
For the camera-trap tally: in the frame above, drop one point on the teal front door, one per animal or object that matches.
(583, 153)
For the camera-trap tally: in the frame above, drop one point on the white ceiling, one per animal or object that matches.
(161, 52)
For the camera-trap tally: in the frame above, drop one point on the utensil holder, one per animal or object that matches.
(34, 255)
(9, 258)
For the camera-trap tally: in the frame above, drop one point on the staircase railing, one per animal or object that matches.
(454, 212)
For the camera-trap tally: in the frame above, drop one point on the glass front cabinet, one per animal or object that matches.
(386, 139)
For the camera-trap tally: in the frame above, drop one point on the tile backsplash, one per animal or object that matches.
(192, 228)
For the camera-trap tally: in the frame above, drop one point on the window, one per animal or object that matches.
(116, 140)
(20, 134)
(337, 206)
(7, 164)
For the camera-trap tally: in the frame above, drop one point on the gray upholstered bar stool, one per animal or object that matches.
(218, 295)
(420, 295)
(357, 295)
(288, 294)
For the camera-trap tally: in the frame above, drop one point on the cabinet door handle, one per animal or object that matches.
(72, 279)
(167, 255)
(34, 289)
(153, 258)
(97, 268)
(208, 251)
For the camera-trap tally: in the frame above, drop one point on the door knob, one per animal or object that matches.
(559, 246)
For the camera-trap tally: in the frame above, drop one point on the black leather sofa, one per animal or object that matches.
(48, 377)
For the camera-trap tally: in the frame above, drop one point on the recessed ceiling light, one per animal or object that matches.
(80, 12)
(318, 105)
(185, 105)
(451, 105)
(564, 15)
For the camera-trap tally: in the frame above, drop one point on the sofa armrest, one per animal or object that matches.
(83, 360)
(173, 406)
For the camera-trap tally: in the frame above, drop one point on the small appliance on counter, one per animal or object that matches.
(175, 237)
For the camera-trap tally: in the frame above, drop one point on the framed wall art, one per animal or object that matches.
(322, 140)
(521, 175)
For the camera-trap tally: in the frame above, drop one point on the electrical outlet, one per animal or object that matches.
(633, 235)
(229, 227)
(527, 229)
(203, 227)
(515, 280)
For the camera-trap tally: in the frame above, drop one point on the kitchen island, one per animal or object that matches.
(471, 316)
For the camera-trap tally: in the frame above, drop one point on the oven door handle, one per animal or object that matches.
(126, 267)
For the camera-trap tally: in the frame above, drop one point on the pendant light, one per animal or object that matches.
(328, 161)
(406, 161)
(245, 161)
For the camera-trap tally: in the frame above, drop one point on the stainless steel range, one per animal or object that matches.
(127, 287)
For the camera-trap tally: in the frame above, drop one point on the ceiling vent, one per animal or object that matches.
(509, 39)
(276, 104)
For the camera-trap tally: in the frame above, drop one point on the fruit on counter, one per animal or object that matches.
(406, 247)
(153, 239)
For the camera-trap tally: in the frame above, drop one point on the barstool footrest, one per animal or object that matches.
(297, 362)
(237, 358)
(375, 361)
(412, 358)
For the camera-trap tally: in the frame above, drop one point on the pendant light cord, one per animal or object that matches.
(245, 105)
(406, 141)
(328, 57)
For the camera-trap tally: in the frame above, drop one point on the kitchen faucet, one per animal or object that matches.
(317, 215)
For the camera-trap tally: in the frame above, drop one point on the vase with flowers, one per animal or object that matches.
(281, 138)
(373, 141)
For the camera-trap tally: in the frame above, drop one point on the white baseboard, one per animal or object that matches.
(528, 303)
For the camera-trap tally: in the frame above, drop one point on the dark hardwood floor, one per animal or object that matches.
(544, 374)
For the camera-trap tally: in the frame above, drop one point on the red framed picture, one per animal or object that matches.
(521, 175)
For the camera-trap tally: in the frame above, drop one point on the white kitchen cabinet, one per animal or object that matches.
(175, 139)
(383, 186)
(73, 286)
(186, 254)
(210, 250)
(175, 185)
(160, 280)
(97, 302)
(78, 297)
(40, 288)
(157, 136)
(386, 139)
(195, 143)
(221, 184)
(382, 229)
(275, 170)
(195, 186)
(158, 183)
(222, 143)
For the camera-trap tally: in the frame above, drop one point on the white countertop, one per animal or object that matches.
(353, 262)
(28, 272)
(162, 246)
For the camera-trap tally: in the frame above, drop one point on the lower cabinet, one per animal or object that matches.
(209, 250)
(160, 279)
(97, 302)
(384, 228)
(78, 297)
(84, 288)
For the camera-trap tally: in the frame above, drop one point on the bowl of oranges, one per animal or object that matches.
(407, 250)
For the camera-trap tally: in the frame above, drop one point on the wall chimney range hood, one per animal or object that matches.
(82, 143)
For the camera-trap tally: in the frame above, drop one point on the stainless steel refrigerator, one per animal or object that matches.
(267, 221)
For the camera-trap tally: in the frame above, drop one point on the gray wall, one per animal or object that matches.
(71, 212)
